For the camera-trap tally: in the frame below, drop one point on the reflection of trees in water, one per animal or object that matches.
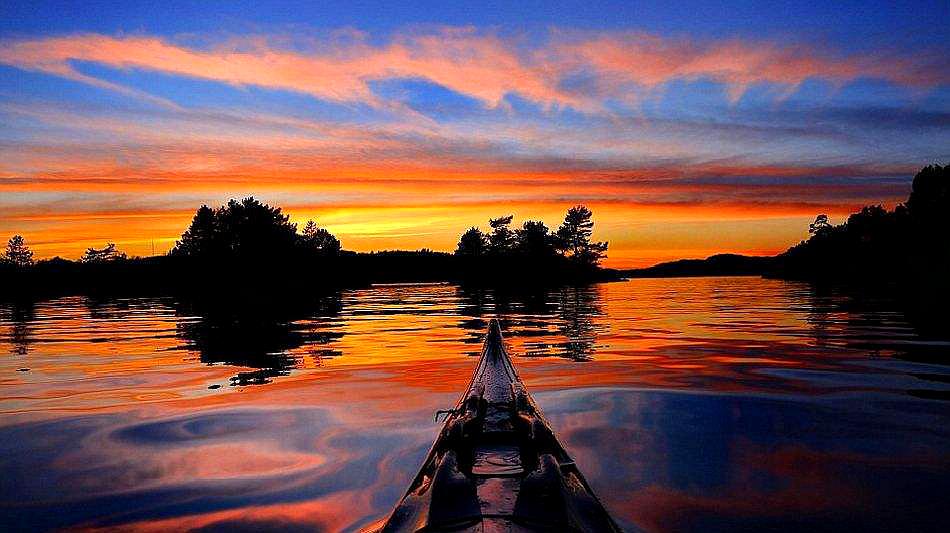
(475, 303)
(20, 315)
(259, 333)
(880, 322)
(577, 308)
(884, 320)
(517, 310)
(820, 306)
(567, 312)
(104, 308)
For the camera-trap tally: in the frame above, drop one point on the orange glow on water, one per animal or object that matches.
(631, 375)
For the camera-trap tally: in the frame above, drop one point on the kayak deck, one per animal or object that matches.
(497, 466)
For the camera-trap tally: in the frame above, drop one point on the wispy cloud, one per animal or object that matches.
(573, 116)
(484, 66)
(637, 60)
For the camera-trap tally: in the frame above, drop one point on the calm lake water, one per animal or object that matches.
(708, 404)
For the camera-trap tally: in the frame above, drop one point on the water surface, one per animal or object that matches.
(706, 404)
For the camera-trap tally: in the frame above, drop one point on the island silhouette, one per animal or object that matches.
(248, 245)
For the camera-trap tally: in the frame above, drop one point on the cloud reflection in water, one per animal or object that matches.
(692, 404)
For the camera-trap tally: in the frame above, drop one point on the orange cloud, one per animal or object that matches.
(650, 61)
(75, 176)
(481, 65)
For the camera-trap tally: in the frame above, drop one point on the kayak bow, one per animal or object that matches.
(497, 466)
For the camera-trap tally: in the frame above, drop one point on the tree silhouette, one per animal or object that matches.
(910, 241)
(250, 230)
(310, 230)
(17, 253)
(574, 237)
(472, 243)
(930, 193)
(319, 240)
(102, 255)
(533, 250)
(502, 239)
(820, 225)
(199, 238)
(928, 210)
(535, 240)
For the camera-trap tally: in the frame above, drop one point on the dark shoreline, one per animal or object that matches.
(236, 294)
(178, 276)
(249, 247)
(182, 276)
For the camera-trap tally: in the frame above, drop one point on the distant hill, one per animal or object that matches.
(716, 265)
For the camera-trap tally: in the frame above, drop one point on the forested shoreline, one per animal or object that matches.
(907, 245)
(249, 246)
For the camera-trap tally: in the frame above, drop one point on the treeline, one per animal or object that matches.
(534, 253)
(251, 231)
(906, 247)
(240, 249)
(250, 246)
(533, 240)
(241, 232)
(910, 243)
(18, 255)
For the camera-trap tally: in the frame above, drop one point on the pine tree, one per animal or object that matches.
(319, 240)
(574, 237)
(198, 239)
(17, 253)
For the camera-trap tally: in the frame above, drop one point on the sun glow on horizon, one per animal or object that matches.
(403, 136)
(638, 235)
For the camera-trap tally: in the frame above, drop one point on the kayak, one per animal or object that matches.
(497, 465)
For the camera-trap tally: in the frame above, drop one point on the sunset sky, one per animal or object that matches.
(688, 128)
